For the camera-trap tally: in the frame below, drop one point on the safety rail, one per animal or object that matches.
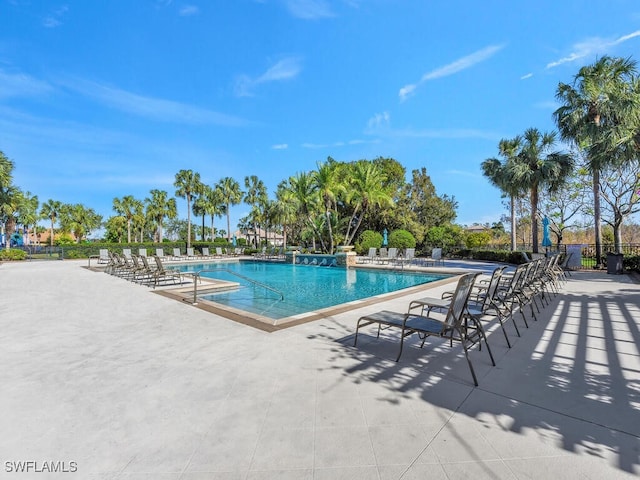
(196, 277)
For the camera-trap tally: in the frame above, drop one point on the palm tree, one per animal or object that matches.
(329, 187)
(256, 197)
(365, 189)
(200, 210)
(594, 113)
(498, 173)
(284, 211)
(213, 205)
(51, 210)
(80, 220)
(188, 184)
(159, 207)
(231, 195)
(537, 166)
(304, 194)
(129, 208)
(28, 211)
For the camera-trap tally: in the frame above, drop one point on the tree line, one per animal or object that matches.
(599, 117)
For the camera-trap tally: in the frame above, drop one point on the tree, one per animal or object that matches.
(256, 197)
(537, 166)
(429, 209)
(213, 206)
(231, 195)
(284, 210)
(79, 220)
(8, 195)
(562, 207)
(159, 207)
(28, 211)
(328, 186)
(128, 207)
(365, 189)
(304, 194)
(115, 228)
(51, 210)
(499, 174)
(187, 184)
(199, 209)
(595, 112)
(619, 189)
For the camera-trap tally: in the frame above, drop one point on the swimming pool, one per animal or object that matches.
(303, 288)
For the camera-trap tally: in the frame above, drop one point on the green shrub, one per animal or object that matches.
(631, 262)
(13, 254)
(401, 239)
(368, 239)
(477, 239)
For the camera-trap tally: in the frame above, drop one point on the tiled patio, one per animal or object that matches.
(132, 385)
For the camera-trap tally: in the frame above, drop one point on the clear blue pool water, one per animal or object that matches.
(305, 288)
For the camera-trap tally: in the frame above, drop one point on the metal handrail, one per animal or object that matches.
(213, 270)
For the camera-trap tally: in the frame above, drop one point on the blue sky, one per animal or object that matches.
(106, 98)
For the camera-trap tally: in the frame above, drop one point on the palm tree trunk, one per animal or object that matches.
(228, 225)
(212, 229)
(328, 214)
(51, 238)
(597, 220)
(188, 221)
(534, 218)
(202, 236)
(513, 224)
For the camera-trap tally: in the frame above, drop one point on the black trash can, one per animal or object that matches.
(615, 265)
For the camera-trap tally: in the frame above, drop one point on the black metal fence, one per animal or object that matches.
(589, 253)
(42, 252)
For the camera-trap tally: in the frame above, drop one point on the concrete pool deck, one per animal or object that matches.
(127, 384)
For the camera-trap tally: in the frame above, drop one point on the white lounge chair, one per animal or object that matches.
(160, 254)
(104, 256)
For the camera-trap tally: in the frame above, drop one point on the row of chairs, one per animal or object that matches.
(392, 255)
(138, 269)
(459, 315)
(176, 254)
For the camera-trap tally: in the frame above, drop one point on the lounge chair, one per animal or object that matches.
(436, 257)
(455, 324)
(177, 255)
(408, 256)
(388, 255)
(142, 252)
(104, 256)
(485, 303)
(160, 274)
(127, 253)
(160, 254)
(205, 252)
(371, 256)
(191, 254)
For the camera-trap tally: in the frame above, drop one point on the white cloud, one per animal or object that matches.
(280, 146)
(309, 9)
(592, 46)
(188, 10)
(54, 19)
(451, 68)
(380, 121)
(18, 84)
(154, 108)
(528, 75)
(284, 69)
